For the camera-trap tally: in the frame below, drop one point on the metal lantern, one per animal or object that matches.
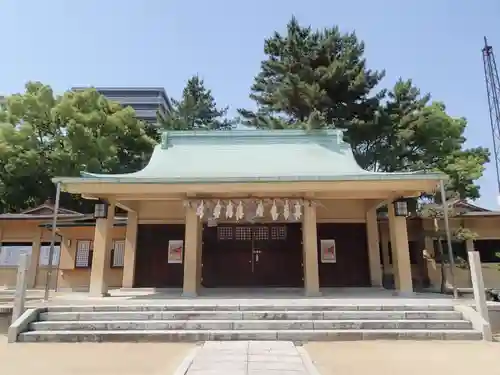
(101, 210)
(400, 207)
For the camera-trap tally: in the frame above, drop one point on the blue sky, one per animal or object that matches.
(162, 43)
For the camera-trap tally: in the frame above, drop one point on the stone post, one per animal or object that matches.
(479, 292)
(20, 293)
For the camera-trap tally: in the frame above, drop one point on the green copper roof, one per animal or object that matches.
(250, 156)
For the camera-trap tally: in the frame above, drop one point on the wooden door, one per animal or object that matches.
(258, 255)
(152, 268)
(351, 268)
(226, 255)
(278, 257)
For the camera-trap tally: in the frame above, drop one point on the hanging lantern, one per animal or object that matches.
(240, 212)
(101, 210)
(274, 211)
(400, 207)
(229, 210)
(297, 212)
(286, 210)
(200, 210)
(217, 210)
(259, 212)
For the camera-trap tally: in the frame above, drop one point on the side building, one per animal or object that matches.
(146, 101)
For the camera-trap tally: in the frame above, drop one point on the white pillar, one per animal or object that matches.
(101, 258)
(373, 248)
(130, 250)
(310, 251)
(192, 254)
(400, 252)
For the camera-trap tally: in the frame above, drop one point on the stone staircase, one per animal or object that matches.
(247, 322)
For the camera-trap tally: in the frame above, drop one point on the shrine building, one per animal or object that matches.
(277, 208)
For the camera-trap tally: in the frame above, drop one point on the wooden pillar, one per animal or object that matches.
(33, 267)
(199, 263)
(310, 251)
(373, 247)
(192, 254)
(130, 250)
(400, 252)
(386, 259)
(101, 258)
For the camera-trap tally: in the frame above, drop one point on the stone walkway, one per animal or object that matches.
(248, 358)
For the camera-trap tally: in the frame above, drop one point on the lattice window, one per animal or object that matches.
(224, 233)
(45, 253)
(118, 258)
(83, 253)
(243, 234)
(261, 233)
(10, 253)
(278, 233)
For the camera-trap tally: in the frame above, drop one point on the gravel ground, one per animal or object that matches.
(89, 358)
(408, 358)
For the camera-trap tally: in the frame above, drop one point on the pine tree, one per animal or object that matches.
(319, 78)
(197, 109)
(310, 71)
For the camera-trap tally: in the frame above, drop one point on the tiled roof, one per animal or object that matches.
(251, 156)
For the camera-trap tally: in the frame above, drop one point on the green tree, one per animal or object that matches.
(197, 109)
(410, 133)
(435, 211)
(309, 70)
(318, 78)
(43, 135)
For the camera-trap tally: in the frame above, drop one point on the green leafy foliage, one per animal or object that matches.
(310, 70)
(196, 110)
(43, 135)
(413, 134)
(323, 74)
(436, 211)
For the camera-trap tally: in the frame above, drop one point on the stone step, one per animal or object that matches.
(249, 315)
(241, 325)
(204, 335)
(251, 307)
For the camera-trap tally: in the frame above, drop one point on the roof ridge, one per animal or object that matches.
(199, 136)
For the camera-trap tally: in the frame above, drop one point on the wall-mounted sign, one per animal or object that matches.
(328, 251)
(175, 250)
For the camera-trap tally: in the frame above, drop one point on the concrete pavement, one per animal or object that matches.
(248, 358)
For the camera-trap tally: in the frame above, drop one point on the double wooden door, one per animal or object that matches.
(259, 255)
